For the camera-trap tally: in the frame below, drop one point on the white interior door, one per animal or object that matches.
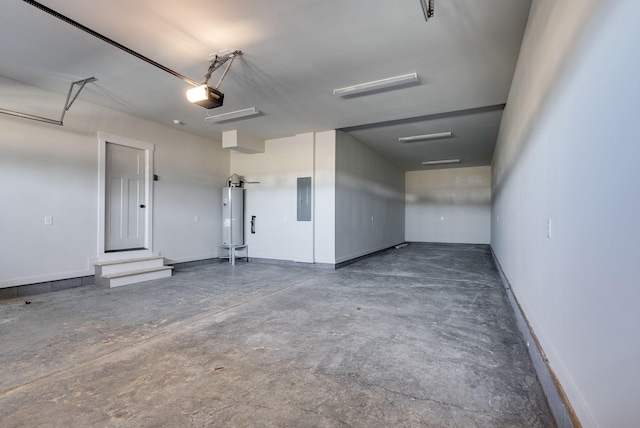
(125, 200)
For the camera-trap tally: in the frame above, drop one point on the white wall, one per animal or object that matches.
(48, 170)
(369, 200)
(567, 154)
(450, 205)
(278, 233)
(351, 183)
(324, 188)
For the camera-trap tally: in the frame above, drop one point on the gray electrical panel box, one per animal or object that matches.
(304, 199)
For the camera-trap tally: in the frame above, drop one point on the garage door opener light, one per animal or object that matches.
(203, 94)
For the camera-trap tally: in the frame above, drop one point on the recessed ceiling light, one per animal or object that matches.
(377, 84)
(434, 136)
(440, 162)
(232, 115)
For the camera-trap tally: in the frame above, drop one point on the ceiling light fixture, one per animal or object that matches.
(440, 162)
(232, 115)
(203, 94)
(434, 136)
(427, 8)
(377, 84)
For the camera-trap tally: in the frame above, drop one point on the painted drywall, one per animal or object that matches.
(450, 205)
(52, 171)
(369, 211)
(325, 197)
(278, 234)
(565, 223)
(349, 181)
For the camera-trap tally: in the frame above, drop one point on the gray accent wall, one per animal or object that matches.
(566, 200)
(358, 199)
(369, 209)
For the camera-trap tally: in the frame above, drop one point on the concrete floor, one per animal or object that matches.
(420, 336)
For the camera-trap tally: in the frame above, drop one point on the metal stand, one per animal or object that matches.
(235, 252)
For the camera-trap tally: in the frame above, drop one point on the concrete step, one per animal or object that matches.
(119, 279)
(127, 265)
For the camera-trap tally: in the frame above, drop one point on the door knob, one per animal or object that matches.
(143, 206)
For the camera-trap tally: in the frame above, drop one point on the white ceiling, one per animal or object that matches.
(295, 54)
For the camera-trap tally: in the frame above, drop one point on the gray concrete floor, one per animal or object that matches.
(420, 336)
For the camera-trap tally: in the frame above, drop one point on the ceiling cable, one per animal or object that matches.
(71, 97)
(110, 41)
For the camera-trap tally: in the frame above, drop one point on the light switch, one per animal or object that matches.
(48, 220)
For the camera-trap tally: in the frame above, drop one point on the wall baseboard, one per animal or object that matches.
(557, 400)
(363, 254)
(362, 257)
(11, 283)
(183, 265)
(290, 263)
(41, 287)
(44, 287)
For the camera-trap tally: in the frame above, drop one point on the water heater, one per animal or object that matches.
(232, 216)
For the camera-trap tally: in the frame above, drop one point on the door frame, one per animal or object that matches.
(148, 148)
